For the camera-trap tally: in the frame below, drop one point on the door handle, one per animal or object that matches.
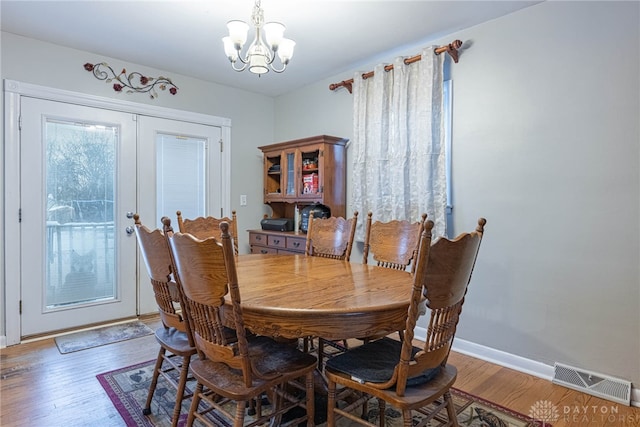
(129, 230)
(129, 214)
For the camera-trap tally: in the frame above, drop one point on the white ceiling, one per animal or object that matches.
(184, 37)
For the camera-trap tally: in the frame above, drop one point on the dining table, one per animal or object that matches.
(297, 296)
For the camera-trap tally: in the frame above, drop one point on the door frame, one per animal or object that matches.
(9, 216)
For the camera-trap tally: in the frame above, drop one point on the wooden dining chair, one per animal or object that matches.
(410, 378)
(331, 237)
(392, 244)
(208, 226)
(174, 336)
(241, 371)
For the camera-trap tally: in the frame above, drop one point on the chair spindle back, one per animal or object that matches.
(393, 244)
(331, 237)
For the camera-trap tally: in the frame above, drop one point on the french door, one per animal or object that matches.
(78, 176)
(84, 171)
(180, 168)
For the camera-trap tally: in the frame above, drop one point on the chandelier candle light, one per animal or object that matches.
(269, 41)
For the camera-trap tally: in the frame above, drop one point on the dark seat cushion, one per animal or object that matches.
(375, 361)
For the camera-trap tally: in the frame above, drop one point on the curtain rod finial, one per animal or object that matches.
(346, 83)
(453, 50)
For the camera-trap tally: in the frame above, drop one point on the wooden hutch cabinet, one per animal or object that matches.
(296, 174)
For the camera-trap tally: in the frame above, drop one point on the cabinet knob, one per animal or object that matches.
(296, 244)
(276, 241)
(263, 251)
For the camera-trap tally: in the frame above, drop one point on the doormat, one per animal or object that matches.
(128, 387)
(101, 336)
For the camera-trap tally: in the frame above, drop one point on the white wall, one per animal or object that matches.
(546, 146)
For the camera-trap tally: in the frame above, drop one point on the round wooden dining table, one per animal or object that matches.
(296, 296)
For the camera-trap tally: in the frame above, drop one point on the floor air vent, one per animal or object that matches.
(593, 383)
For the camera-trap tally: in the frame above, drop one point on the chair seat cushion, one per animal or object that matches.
(174, 340)
(375, 362)
(270, 357)
(273, 363)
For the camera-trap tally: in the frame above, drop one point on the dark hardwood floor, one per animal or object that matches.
(39, 387)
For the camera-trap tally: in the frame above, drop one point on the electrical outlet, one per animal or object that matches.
(243, 200)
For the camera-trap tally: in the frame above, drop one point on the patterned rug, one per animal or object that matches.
(101, 336)
(127, 388)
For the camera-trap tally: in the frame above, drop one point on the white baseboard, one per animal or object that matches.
(508, 360)
(3, 341)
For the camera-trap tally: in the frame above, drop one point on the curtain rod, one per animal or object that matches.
(451, 49)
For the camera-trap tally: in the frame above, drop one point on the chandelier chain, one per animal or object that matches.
(257, 17)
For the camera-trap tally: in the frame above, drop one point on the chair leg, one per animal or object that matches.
(195, 402)
(154, 381)
(307, 344)
(253, 405)
(331, 404)
(407, 418)
(451, 410)
(310, 399)
(320, 353)
(240, 408)
(382, 411)
(184, 374)
(277, 402)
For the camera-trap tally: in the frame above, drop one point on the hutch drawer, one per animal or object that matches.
(277, 242)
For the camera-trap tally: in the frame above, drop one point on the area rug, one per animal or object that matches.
(101, 336)
(127, 388)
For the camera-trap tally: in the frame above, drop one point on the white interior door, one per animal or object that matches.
(180, 168)
(78, 174)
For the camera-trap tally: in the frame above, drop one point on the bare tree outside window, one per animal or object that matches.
(80, 183)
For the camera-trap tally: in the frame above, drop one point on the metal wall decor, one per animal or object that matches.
(132, 82)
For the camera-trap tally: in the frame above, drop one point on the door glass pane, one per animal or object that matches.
(80, 183)
(181, 180)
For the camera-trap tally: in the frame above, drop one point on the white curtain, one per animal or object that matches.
(398, 149)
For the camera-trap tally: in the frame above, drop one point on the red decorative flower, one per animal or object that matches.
(88, 67)
(144, 80)
(117, 87)
(173, 91)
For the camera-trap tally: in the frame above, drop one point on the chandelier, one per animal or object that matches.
(269, 40)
